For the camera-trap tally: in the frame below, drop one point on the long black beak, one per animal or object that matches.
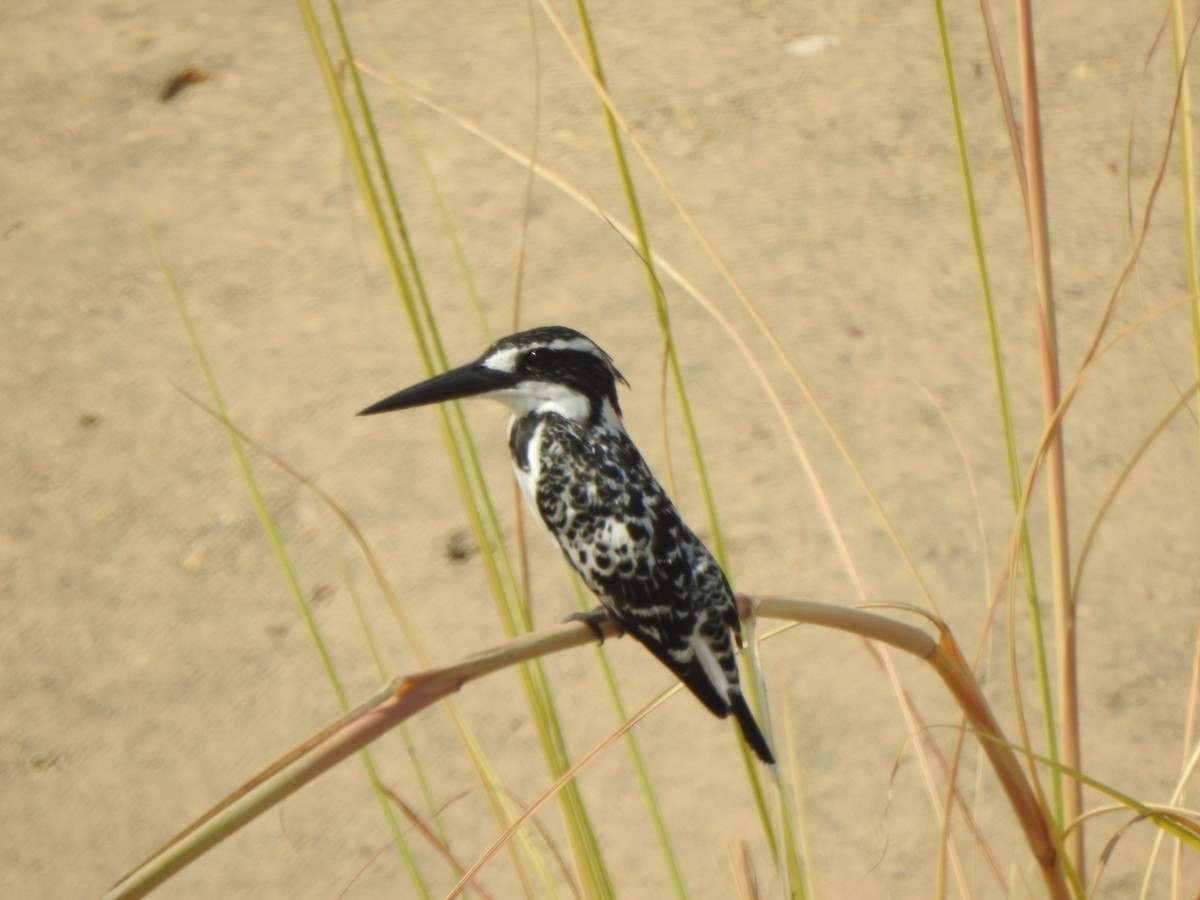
(465, 381)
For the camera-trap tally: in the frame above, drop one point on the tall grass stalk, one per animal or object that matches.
(1006, 419)
(1066, 656)
(677, 380)
(383, 204)
(287, 569)
(1181, 41)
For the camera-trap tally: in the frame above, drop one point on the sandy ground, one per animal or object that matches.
(151, 657)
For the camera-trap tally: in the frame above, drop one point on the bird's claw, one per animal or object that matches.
(593, 619)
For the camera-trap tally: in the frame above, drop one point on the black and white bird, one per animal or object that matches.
(580, 471)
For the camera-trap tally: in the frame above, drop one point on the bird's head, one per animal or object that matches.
(551, 369)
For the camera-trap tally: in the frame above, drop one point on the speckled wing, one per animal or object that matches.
(622, 534)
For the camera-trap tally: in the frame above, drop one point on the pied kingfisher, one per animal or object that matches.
(579, 469)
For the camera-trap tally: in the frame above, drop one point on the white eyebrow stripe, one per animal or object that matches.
(579, 343)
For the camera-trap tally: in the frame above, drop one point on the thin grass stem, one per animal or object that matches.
(1066, 664)
(1006, 421)
(1181, 44)
(287, 570)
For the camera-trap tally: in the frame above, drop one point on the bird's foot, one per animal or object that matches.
(593, 619)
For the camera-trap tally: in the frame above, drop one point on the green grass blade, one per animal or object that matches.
(289, 574)
(384, 207)
(1180, 43)
(656, 292)
(1006, 421)
(677, 379)
(377, 217)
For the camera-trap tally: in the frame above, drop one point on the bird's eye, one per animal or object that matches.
(534, 359)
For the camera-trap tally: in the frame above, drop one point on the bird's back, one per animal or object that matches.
(622, 534)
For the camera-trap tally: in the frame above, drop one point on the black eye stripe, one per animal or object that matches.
(564, 362)
(579, 370)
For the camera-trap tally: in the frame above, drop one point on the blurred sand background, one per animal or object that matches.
(150, 656)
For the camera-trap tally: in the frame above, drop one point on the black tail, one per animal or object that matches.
(750, 730)
(696, 680)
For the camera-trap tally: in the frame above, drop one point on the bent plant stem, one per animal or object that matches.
(943, 655)
(404, 697)
(398, 701)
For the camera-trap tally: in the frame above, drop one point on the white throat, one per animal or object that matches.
(548, 397)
